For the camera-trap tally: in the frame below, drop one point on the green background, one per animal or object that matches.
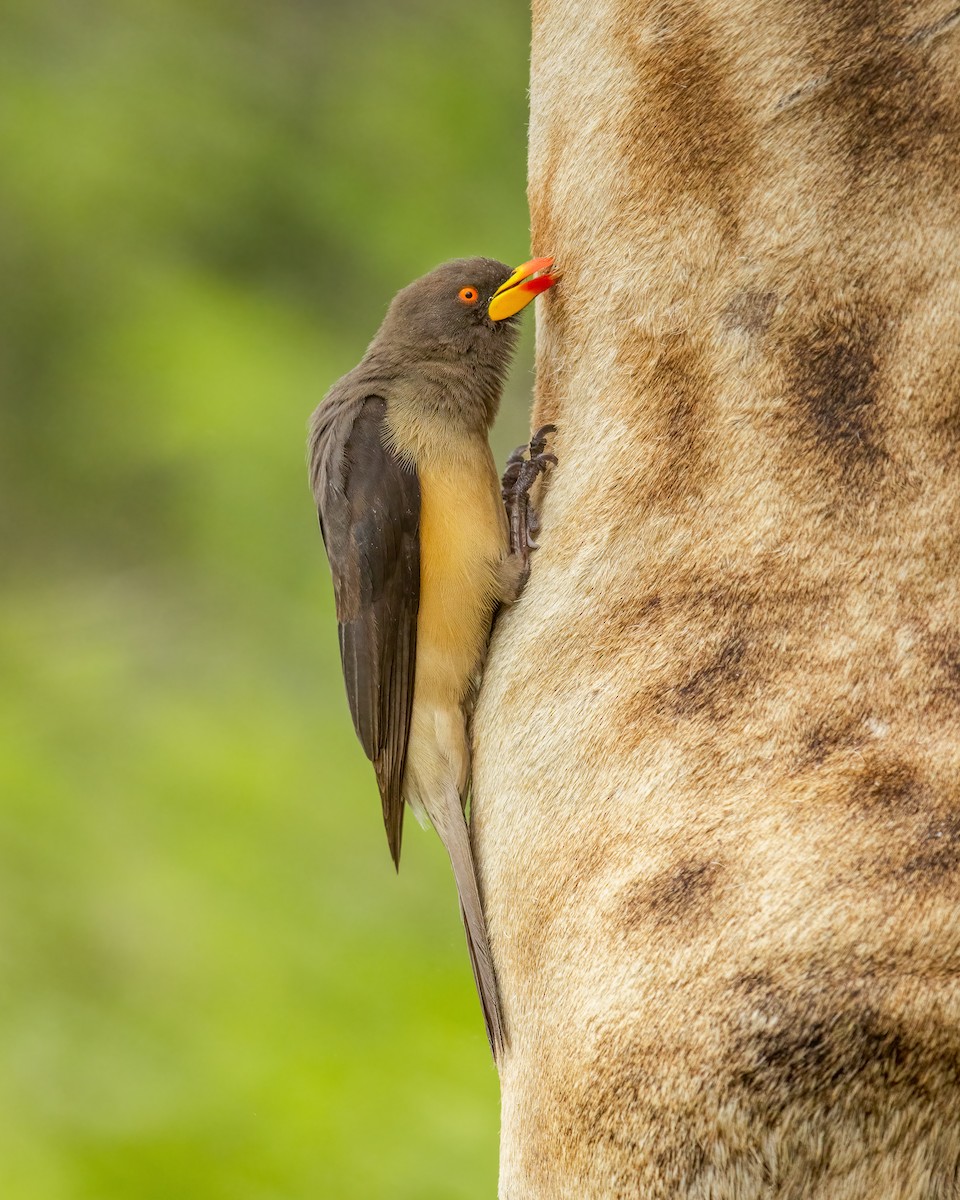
(212, 984)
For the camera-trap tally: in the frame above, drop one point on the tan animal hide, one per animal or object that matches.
(717, 774)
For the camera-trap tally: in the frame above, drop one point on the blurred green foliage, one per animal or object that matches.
(212, 984)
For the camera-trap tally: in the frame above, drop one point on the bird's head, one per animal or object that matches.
(467, 308)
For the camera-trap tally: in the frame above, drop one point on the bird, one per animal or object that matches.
(422, 547)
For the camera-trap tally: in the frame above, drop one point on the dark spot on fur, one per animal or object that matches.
(945, 661)
(950, 668)
(874, 94)
(822, 1055)
(649, 605)
(939, 853)
(890, 789)
(916, 819)
(717, 646)
(771, 1089)
(710, 688)
(676, 387)
(825, 1045)
(678, 380)
(830, 735)
(832, 374)
(888, 105)
(750, 312)
(689, 139)
(678, 895)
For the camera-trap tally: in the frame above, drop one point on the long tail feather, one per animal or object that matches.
(453, 833)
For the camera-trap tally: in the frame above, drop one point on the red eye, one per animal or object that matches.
(468, 295)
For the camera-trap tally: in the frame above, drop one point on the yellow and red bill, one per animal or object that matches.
(521, 287)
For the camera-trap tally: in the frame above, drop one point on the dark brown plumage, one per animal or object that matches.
(370, 521)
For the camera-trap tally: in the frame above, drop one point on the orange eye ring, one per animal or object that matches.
(469, 295)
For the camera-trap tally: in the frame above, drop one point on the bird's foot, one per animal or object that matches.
(524, 466)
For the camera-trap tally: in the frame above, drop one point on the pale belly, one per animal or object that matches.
(463, 539)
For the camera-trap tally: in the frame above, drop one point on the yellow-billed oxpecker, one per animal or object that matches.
(421, 547)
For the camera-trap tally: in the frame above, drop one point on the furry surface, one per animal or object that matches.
(717, 766)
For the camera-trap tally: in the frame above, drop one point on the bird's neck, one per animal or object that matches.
(428, 429)
(460, 394)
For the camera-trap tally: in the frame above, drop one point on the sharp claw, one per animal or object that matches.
(519, 476)
(509, 481)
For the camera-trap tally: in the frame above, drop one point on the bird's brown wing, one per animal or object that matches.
(369, 506)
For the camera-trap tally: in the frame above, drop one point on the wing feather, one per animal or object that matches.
(369, 505)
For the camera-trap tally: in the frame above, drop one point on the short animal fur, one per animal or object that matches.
(717, 818)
